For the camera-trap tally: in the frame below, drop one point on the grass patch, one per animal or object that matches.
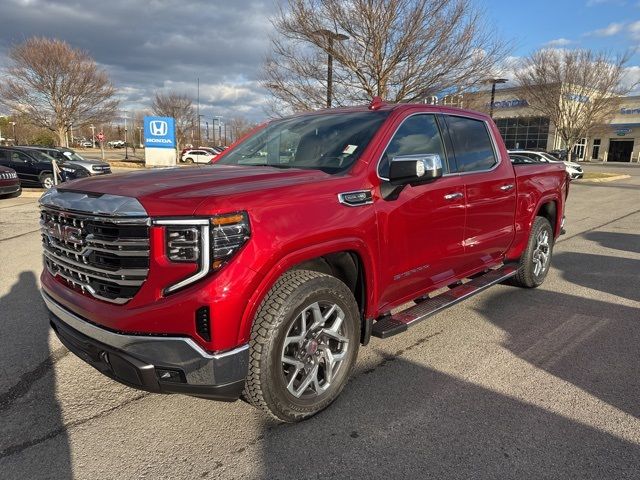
(598, 175)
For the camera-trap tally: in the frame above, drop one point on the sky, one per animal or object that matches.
(160, 45)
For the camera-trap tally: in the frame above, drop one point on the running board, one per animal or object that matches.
(399, 322)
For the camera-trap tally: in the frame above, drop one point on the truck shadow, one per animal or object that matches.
(626, 242)
(589, 343)
(29, 410)
(614, 275)
(402, 420)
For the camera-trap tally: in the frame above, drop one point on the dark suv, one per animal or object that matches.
(63, 154)
(35, 168)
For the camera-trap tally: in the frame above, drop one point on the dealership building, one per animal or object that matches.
(523, 128)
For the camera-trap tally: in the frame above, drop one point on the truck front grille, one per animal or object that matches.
(105, 257)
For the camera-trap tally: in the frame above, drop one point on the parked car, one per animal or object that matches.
(573, 169)
(63, 154)
(35, 168)
(212, 150)
(559, 154)
(116, 144)
(9, 183)
(198, 156)
(262, 276)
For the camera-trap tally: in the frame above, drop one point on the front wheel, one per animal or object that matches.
(536, 259)
(304, 343)
(46, 181)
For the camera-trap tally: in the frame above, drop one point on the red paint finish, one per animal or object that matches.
(407, 246)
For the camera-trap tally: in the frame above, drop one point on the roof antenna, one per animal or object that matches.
(376, 103)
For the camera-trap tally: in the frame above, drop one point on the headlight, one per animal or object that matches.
(210, 243)
(228, 233)
(67, 169)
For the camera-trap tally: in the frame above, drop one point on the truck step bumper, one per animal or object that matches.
(153, 364)
(401, 321)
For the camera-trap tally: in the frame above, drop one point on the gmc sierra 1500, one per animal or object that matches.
(260, 276)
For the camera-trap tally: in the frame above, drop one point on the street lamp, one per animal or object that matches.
(126, 146)
(494, 82)
(331, 37)
(93, 136)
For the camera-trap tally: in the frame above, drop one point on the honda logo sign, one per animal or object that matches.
(158, 128)
(159, 132)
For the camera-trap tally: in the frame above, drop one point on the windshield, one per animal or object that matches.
(329, 142)
(551, 158)
(72, 155)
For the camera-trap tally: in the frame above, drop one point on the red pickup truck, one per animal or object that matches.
(260, 276)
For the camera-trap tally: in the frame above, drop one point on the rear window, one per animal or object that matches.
(471, 143)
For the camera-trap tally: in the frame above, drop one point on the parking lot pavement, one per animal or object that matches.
(513, 384)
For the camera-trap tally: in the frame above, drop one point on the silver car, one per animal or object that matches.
(94, 167)
(573, 169)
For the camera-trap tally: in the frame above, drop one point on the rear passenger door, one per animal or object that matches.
(490, 191)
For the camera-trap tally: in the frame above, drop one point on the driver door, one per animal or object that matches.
(422, 230)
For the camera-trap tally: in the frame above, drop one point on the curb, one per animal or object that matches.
(605, 179)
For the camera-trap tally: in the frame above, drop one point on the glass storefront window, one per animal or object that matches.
(524, 132)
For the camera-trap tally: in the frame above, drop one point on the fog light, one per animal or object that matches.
(169, 375)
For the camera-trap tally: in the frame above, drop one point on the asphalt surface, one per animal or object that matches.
(512, 384)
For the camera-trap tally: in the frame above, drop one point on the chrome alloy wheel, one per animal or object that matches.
(314, 349)
(541, 253)
(48, 183)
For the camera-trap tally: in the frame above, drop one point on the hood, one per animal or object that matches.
(180, 191)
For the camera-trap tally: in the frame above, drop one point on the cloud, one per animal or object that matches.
(634, 30)
(608, 31)
(559, 42)
(159, 45)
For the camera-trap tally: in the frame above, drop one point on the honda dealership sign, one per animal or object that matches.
(159, 132)
(159, 141)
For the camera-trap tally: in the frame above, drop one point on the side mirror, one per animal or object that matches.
(410, 169)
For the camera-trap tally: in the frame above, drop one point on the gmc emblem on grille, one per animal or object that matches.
(65, 233)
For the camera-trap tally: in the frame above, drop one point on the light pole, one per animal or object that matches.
(331, 37)
(126, 146)
(93, 136)
(140, 136)
(13, 124)
(200, 130)
(494, 82)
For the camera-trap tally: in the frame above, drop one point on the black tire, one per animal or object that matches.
(279, 314)
(46, 180)
(189, 160)
(527, 275)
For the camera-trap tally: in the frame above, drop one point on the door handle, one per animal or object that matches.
(506, 188)
(453, 196)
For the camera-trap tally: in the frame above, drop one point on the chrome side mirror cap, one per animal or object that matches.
(414, 169)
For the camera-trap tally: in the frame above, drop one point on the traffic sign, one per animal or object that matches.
(100, 137)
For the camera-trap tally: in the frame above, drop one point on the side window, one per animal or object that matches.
(19, 157)
(471, 144)
(418, 134)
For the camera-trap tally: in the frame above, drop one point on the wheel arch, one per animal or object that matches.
(350, 262)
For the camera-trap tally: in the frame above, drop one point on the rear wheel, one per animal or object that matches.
(536, 259)
(189, 160)
(304, 342)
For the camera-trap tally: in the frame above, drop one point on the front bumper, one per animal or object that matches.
(10, 189)
(158, 364)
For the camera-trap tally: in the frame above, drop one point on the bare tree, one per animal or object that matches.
(400, 50)
(239, 126)
(578, 90)
(180, 107)
(57, 86)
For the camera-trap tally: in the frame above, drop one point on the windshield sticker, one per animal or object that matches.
(349, 149)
